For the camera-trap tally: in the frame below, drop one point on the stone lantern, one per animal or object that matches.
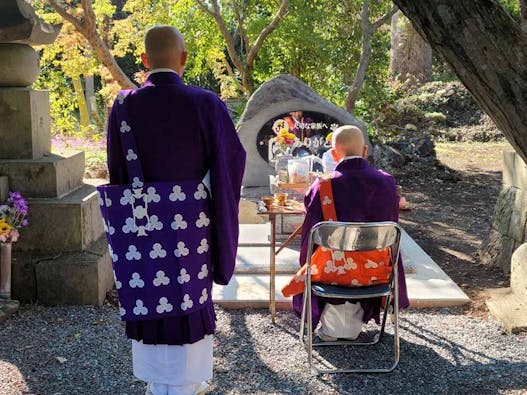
(61, 258)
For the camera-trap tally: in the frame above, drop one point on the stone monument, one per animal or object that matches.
(61, 258)
(506, 246)
(277, 96)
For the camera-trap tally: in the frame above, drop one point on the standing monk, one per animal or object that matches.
(181, 133)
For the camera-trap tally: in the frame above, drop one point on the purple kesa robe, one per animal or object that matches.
(361, 194)
(181, 133)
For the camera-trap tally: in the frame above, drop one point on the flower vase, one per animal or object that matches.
(5, 270)
(282, 173)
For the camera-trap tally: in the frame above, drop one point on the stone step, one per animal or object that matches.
(428, 285)
(66, 224)
(65, 279)
(50, 176)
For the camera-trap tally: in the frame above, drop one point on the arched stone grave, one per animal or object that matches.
(274, 101)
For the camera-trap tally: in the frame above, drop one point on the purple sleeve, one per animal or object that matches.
(313, 216)
(227, 164)
(116, 164)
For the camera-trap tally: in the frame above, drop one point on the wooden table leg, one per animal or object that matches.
(290, 238)
(272, 301)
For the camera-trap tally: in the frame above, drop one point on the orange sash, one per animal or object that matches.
(348, 268)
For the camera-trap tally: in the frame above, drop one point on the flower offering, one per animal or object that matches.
(13, 215)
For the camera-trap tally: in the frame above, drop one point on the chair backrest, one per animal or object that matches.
(356, 236)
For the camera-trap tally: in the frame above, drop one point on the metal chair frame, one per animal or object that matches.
(321, 235)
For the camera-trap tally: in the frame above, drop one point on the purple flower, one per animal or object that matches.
(25, 222)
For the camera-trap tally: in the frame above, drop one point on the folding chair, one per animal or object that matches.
(353, 236)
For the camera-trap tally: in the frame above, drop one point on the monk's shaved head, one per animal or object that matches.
(348, 140)
(165, 48)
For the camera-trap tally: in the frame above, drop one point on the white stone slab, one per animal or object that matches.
(254, 235)
(255, 260)
(251, 291)
(427, 284)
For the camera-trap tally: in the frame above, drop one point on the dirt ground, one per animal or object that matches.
(453, 202)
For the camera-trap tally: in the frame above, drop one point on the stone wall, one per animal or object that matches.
(509, 220)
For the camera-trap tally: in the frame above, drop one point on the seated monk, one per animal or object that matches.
(360, 194)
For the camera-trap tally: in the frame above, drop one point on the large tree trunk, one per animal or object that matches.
(487, 50)
(410, 55)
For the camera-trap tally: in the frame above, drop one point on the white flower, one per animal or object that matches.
(141, 231)
(129, 225)
(187, 303)
(179, 222)
(164, 306)
(120, 98)
(181, 250)
(136, 281)
(177, 194)
(152, 196)
(183, 277)
(157, 251)
(133, 253)
(203, 247)
(101, 201)
(326, 200)
(127, 198)
(201, 193)
(350, 264)
(204, 272)
(140, 212)
(161, 279)
(371, 265)
(125, 128)
(204, 296)
(137, 183)
(140, 308)
(154, 223)
(122, 311)
(108, 201)
(131, 155)
(203, 220)
(337, 255)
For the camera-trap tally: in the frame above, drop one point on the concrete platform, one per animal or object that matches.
(428, 285)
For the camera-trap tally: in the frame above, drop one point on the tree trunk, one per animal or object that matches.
(360, 76)
(410, 55)
(81, 100)
(487, 50)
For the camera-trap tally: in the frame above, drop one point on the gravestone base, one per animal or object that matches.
(63, 279)
(56, 225)
(48, 177)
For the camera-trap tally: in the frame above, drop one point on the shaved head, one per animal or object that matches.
(348, 140)
(165, 48)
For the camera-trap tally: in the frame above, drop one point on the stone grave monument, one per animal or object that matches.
(274, 100)
(61, 258)
(506, 247)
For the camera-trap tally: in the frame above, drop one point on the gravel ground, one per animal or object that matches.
(82, 350)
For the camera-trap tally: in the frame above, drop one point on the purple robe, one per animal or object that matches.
(182, 132)
(361, 194)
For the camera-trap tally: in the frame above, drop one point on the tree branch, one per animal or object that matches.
(89, 16)
(383, 19)
(67, 16)
(231, 48)
(265, 32)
